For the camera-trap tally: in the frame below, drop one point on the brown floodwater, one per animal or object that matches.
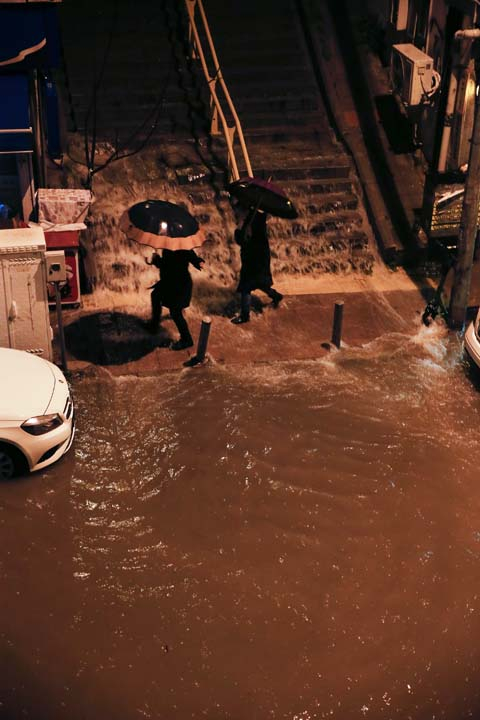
(295, 540)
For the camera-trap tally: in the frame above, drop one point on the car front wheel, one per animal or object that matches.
(11, 462)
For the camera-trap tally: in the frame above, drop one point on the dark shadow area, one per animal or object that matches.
(471, 314)
(19, 477)
(361, 95)
(112, 338)
(397, 127)
(233, 307)
(32, 698)
(471, 370)
(224, 301)
(305, 22)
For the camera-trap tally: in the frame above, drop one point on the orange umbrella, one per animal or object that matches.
(162, 225)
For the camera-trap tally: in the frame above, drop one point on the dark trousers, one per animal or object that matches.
(177, 316)
(246, 299)
(176, 313)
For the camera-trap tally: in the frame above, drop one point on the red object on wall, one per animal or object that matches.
(67, 240)
(61, 240)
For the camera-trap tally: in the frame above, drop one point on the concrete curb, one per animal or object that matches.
(328, 57)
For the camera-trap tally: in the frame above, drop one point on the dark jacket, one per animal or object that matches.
(254, 254)
(175, 284)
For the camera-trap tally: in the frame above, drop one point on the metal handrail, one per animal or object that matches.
(228, 132)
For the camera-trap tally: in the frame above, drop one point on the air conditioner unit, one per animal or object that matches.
(412, 74)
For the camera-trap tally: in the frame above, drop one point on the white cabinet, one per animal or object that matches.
(24, 315)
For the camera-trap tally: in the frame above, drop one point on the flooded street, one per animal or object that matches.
(298, 540)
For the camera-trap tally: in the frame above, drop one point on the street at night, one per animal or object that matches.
(289, 541)
(258, 272)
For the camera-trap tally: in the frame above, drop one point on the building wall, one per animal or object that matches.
(444, 124)
(434, 44)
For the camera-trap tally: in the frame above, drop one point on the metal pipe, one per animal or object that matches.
(25, 131)
(213, 93)
(39, 142)
(199, 358)
(337, 324)
(467, 33)
(211, 84)
(61, 333)
(447, 123)
(219, 76)
(203, 338)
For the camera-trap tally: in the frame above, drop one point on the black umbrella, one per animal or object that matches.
(263, 195)
(162, 225)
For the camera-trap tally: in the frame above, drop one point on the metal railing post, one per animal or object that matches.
(61, 334)
(337, 324)
(202, 345)
(203, 338)
(211, 81)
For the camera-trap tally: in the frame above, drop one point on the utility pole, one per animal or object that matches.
(469, 219)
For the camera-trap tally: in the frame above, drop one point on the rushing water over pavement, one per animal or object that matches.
(289, 541)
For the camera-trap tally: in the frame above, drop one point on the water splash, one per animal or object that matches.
(116, 267)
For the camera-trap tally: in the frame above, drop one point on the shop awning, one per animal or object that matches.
(28, 35)
(15, 128)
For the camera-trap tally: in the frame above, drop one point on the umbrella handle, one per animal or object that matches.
(250, 217)
(257, 205)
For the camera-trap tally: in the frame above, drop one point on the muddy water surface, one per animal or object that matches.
(294, 541)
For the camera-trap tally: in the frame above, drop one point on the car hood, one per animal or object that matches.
(26, 384)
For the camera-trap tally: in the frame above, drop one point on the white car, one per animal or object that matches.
(37, 422)
(472, 340)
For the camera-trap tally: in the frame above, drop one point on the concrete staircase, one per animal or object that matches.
(268, 70)
(136, 56)
(152, 86)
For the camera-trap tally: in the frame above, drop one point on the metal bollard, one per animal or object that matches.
(337, 324)
(61, 334)
(203, 338)
(202, 344)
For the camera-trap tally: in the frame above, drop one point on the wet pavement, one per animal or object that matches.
(288, 540)
(116, 339)
(288, 532)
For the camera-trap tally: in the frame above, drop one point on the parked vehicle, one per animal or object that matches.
(37, 423)
(472, 340)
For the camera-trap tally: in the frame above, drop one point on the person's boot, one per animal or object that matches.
(239, 319)
(277, 298)
(182, 344)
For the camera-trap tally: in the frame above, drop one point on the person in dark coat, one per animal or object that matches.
(174, 290)
(255, 273)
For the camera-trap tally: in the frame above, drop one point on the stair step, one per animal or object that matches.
(277, 103)
(237, 53)
(284, 159)
(258, 123)
(115, 83)
(189, 175)
(277, 133)
(252, 84)
(302, 245)
(312, 173)
(326, 225)
(275, 93)
(334, 204)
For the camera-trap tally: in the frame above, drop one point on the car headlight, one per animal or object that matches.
(42, 424)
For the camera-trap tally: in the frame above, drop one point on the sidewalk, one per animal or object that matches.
(301, 327)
